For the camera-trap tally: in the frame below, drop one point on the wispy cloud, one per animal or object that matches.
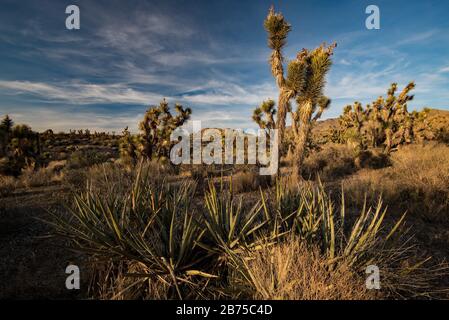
(418, 37)
(444, 69)
(214, 93)
(79, 93)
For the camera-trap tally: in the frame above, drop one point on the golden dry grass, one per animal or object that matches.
(294, 271)
(418, 181)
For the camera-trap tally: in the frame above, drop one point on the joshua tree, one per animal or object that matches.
(305, 81)
(386, 121)
(353, 119)
(307, 77)
(264, 115)
(394, 116)
(157, 126)
(278, 28)
(128, 150)
(5, 132)
(422, 129)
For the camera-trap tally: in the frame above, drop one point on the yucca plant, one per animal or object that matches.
(308, 213)
(152, 226)
(229, 225)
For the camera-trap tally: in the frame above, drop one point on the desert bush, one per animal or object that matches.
(332, 161)
(246, 181)
(417, 181)
(7, 185)
(35, 178)
(74, 178)
(374, 159)
(85, 158)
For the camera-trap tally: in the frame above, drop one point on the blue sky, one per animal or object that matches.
(209, 55)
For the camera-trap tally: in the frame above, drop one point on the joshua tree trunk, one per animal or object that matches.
(388, 140)
(284, 97)
(285, 94)
(301, 138)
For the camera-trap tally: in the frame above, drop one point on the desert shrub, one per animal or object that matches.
(74, 178)
(86, 158)
(417, 181)
(374, 159)
(7, 185)
(332, 161)
(35, 178)
(29, 178)
(199, 174)
(246, 181)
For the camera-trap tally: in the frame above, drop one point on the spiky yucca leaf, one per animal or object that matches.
(152, 226)
(228, 224)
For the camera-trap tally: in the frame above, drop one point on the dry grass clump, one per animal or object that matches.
(29, 178)
(35, 178)
(103, 177)
(417, 181)
(295, 271)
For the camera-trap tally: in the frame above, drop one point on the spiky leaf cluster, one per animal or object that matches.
(277, 28)
(264, 115)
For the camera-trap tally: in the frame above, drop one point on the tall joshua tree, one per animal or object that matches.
(5, 131)
(307, 77)
(278, 28)
(304, 81)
